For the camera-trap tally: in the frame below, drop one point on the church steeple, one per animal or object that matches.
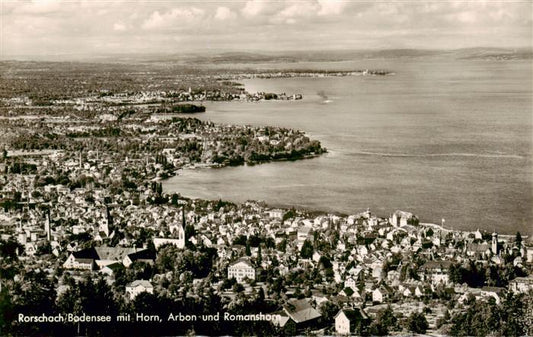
(494, 246)
(181, 233)
(47, 226)
(183, 216)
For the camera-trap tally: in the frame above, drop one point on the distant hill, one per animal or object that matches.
(254, 57)
(466, 53)
(347, 55)
(241, 57)
(494, 54)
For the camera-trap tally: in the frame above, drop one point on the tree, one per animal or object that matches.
(237, 287)
(146, 302)
(512, 313)
(417, 323)
(455, 273)
(290, 328)
(289, 214)
(282, 246)
(7, 314)
(307, 250)
(328, 311)
(166, 258)
(518, 239)
(387, 317)
(8, 249)
(385, 322)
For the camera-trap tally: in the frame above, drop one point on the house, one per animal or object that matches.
(381, 294)
(241, 269)
(478, 249)
(110, 255)
(301, 312)
(89, 258)
(280, 319)
(30, 248)
(111, 269)
(350, 283)
(83, 259)
(435, 271)
(179, 242)
(143, 255)
(139, 286)
(529, 254)
(275, 213)
(521, 284)
(400, 218)
(411, 290)
(348, 320)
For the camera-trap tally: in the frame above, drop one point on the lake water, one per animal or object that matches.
(440, 138)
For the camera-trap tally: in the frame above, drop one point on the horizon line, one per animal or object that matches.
(29, 57)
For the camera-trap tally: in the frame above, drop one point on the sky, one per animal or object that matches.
(94, 27)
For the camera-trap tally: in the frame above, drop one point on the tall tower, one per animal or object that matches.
(47, 226)
(183, 216)
(177, 230)
(495, 243)
(181, 230)
(106, 222)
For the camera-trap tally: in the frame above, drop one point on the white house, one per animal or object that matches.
(158, 242)
(400, 218)
(346, 320)
(83, 259)
(381, 294)
(350, 283)
(435, 271)
(275, 213)
(521, 284)
(241, 269)
(139, 286)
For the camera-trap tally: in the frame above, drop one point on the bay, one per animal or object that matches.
(444, 139)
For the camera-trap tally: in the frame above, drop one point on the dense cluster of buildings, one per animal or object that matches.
(364, 262)
(79, 197)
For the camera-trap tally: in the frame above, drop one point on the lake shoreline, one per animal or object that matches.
(459, 170)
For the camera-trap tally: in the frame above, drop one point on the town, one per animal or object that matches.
(87, 230)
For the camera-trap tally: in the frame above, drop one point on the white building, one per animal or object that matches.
(521, 284)
(241, 269)
(347, 320)
(275, 213)
(158, 242)
(400, 218)
(139, 286)
(350, 283)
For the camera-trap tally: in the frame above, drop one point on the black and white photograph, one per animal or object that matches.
(266, 168)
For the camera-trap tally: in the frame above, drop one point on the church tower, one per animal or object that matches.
(495, 243)
(47, 226)
(181, 230)
(177, 230)
(106, 222)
